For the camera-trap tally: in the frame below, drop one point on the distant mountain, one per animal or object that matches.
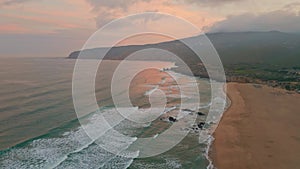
(258, 47)
(271, 58)
(273, 47)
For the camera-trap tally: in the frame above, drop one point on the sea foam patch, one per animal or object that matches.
(72, 148)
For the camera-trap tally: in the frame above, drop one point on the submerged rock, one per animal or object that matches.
(200, 113)
(201, 125)
(172, 119)
(189, 110)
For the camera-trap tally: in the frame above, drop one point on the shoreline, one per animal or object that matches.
(255, 129)
(211, 139)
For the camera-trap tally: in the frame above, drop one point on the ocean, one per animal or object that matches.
(39, 127)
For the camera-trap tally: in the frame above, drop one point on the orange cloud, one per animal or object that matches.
(48, 17)
(12, 28)
(108, 11)
(42, 20)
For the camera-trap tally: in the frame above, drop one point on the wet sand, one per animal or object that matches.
(260, 130)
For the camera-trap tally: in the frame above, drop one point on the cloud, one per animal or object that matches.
(292, 5)
(11, 2)
(295, 6)
(121, 4)
(280, 20)
(107, 11)
(9, 28)
(210, 2)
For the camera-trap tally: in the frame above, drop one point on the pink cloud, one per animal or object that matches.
(12, 28)
(56, 15)
(107, 11)
(42, 21)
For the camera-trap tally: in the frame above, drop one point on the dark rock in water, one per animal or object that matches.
(200, 113)
(172, 119)
(187, 110)
(201, 125)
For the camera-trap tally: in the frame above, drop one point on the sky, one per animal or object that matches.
(54, 28)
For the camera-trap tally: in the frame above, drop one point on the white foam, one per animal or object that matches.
(148, 93)
(64, 150)
(218, 104)
(182, 114)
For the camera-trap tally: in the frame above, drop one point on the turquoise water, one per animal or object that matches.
(39, 127)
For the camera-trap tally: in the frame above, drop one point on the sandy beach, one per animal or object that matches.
(260, 130)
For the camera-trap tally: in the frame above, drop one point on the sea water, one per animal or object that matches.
(39, 127)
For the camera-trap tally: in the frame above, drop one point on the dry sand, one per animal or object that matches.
(260, 130)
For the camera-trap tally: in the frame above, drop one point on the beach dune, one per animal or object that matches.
(260, 130)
